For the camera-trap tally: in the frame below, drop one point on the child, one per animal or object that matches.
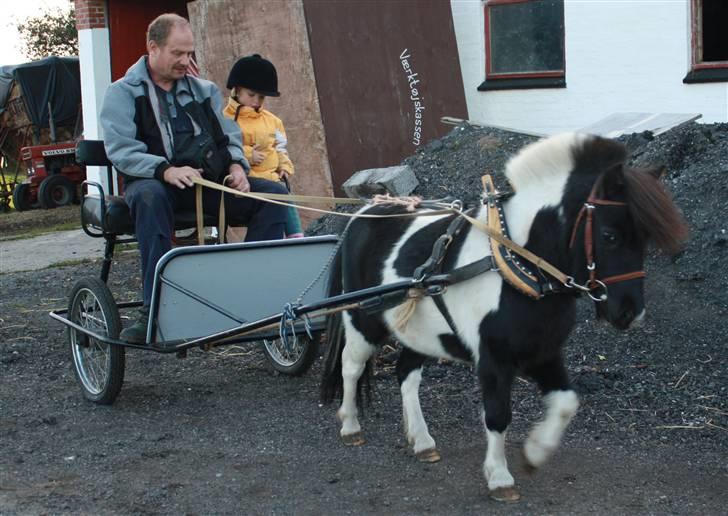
(251, 80)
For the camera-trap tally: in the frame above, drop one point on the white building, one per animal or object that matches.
(553, 65)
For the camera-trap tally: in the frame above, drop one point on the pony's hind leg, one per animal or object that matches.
(561, 405)
(409, 375)
(353, 361)
(496, 381)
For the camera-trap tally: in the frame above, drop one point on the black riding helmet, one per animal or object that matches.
(256, 74)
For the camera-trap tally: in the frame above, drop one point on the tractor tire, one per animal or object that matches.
(56, 191)
(21, 197)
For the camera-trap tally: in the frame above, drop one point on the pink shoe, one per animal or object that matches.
(295, 235)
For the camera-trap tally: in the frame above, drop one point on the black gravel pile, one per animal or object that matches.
(660, 382)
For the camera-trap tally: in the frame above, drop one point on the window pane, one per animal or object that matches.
(527, 37)
(715, 18)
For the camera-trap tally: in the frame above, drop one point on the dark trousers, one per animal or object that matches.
(153, 204)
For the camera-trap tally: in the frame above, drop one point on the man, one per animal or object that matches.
(155, 120)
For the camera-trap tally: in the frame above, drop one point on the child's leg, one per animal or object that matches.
(293, 223)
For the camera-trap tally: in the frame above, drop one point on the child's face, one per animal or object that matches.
(249, 98)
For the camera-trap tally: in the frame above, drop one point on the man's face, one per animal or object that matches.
(169, 62)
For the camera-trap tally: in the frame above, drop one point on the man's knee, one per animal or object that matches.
(146, 193)
(265, 186)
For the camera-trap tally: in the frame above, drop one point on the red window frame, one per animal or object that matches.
(696, 16)
(494, 76)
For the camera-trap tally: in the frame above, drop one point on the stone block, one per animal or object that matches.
(397, 181)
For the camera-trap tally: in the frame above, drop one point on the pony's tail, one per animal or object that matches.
(332, 384)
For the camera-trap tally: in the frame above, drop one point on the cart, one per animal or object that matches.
(273, 293)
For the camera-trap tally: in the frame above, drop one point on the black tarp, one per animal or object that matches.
(7, 76)
(53, 79)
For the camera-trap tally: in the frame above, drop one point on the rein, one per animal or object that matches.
(442, 208)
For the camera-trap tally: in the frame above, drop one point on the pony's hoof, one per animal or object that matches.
(528, 468)
(429, 455)
(505, 494)
(356, 439)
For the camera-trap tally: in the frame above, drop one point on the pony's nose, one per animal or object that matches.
(625, 318)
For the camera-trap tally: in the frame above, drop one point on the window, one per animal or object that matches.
(524, 44)
(709, 45)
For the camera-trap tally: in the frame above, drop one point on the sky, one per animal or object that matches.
(15, 11)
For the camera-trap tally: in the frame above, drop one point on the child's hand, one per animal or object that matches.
(258, 155)
(282, 174)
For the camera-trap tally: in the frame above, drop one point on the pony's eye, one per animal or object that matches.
(609, 237)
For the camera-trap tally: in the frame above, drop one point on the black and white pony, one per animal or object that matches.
(502, 331)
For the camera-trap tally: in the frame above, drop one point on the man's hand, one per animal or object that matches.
(258, 155)
(238, 180)
(181, 177)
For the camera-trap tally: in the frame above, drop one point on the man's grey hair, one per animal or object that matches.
(158, 31)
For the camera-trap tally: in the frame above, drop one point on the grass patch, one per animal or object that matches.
(68, 263)
(34, 232)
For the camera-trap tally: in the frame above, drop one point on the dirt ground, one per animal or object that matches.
(222, 433)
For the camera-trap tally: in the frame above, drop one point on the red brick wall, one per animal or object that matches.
(90, 14)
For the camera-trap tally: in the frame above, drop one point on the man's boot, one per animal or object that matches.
(137, 332)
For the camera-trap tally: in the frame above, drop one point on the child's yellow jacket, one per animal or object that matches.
(266, 130)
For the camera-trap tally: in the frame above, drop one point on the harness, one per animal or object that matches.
(525, 275)
(586, 214)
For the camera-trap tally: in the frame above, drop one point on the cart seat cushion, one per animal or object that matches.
(118, 218)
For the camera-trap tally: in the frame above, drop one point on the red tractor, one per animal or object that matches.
(54, 177)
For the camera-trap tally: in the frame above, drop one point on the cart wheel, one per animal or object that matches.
(99, 367)
(55, 191)
(294, 359)
(21, 197)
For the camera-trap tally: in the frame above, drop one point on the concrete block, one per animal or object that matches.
(397, 181)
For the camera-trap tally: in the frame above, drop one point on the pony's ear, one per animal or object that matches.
(658, 172)
(613, 181)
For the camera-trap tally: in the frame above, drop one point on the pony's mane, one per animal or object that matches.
(540, 161)
(653, 211)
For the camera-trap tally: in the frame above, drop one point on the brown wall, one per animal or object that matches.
(384, 69)
(225, 31)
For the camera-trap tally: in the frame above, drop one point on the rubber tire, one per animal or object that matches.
(56, 191)
(21, 197)
(96, 291)
(300, 364)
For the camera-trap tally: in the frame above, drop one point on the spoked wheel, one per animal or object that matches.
(293, 357)
(99, 367)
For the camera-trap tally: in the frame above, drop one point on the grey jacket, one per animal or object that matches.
(137, 142)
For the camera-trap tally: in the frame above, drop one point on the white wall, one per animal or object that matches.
(621, 55)
(95, 66)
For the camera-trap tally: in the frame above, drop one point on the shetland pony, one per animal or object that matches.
(494, 326)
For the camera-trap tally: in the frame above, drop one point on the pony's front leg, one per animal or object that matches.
(561, 405)
(353, 361)
(409, 375)
(496, 381)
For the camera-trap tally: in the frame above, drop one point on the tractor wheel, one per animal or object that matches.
(21, 197)
(55, 191)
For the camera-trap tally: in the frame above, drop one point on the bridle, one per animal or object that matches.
(587, 214)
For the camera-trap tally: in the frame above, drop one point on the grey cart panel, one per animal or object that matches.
(203, 290)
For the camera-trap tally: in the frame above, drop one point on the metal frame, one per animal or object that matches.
(369, 299)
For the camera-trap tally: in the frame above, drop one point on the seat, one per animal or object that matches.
(108, 216)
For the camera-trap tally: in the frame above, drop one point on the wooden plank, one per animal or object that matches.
(618, 124)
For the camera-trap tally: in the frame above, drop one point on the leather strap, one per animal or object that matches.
(624, 277)
(199, 214)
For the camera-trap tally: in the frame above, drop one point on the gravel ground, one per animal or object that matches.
(224, 434)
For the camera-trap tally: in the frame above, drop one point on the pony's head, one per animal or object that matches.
(614, 211)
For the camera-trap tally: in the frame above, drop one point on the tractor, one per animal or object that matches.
(54, 177)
